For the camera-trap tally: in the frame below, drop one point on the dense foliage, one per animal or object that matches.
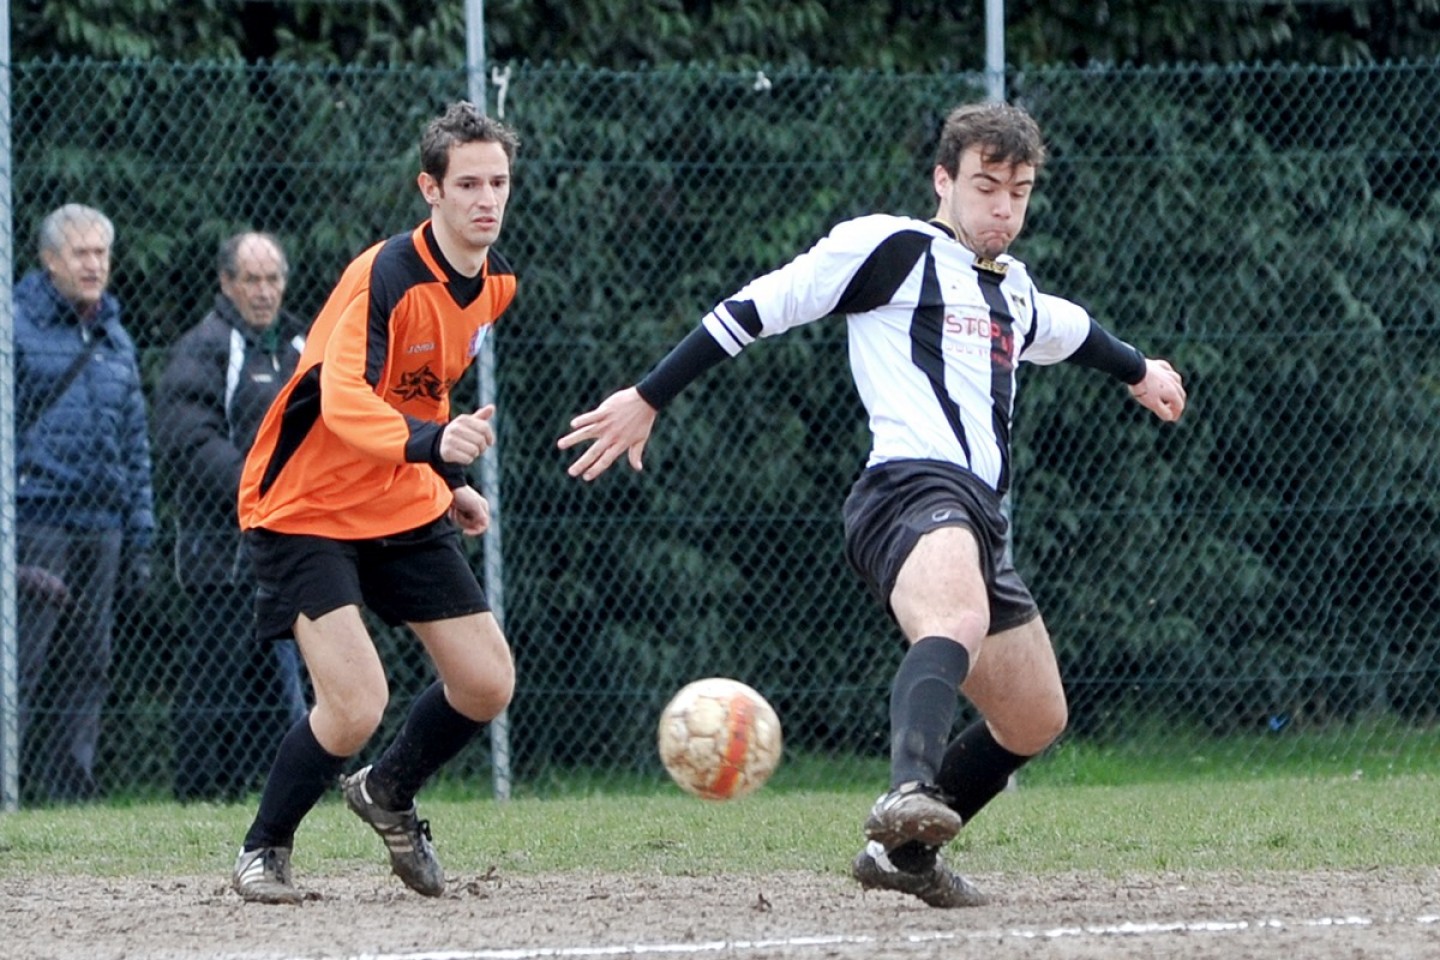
(625, 34)
(1271, 560)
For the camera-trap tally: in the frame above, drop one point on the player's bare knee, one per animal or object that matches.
(967, 628)
(483, 695)
(1026, 725)
(354, 719)
(1051, 723)
(495, 695)
(1041, 727)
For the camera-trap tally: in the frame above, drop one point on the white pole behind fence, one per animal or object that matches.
(494, 566)
(995, 50)
(9, 632)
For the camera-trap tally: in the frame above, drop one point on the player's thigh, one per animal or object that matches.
(1016, 686)
(346, 675)
(474, 662)
(940, 590)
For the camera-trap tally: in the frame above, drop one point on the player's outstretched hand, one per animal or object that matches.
(1161, 392)
(621, 424)
(470, 511)
(468, 435)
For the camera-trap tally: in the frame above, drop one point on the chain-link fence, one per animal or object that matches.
(1262, 571)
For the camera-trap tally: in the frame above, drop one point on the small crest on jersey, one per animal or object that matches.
(986, 265)
(476, 339)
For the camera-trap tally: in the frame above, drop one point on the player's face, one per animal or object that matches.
(80, 269)
(985, 202)
(469, 206)
(259, 282)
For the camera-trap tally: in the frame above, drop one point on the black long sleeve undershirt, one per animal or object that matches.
(691, 357)
(1105, 352)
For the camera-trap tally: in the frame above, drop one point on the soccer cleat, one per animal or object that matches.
(912, 812)
(263, 876)
(938, 886)
(407, 838)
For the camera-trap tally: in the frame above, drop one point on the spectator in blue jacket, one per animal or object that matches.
(83, 500)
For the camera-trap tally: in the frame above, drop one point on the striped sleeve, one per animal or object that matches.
(1060, 328)
(846, 271)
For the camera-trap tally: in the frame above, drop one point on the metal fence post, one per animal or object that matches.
(9, 632)
(995, 50)
(489, 466)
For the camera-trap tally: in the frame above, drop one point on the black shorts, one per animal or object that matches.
(413, 577)
(893, 504)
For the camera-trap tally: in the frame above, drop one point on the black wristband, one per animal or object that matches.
(1104, 352)
(691, 357)
(454, 475)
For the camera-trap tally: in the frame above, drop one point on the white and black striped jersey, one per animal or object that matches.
(935, 334)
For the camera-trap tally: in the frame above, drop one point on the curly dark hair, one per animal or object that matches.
(1005, 134)
(461, 123)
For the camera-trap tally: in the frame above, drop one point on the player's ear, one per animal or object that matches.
(940, 178)
(430, 188)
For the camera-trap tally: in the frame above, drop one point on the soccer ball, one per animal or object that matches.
(719, 739)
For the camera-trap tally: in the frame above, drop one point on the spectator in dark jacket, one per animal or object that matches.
(83, 502)
(238, 696)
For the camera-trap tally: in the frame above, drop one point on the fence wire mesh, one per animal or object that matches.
(1262, 572)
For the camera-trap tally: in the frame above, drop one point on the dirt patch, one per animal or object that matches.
(1311, 916)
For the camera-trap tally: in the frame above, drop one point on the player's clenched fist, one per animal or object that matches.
(470, 511)
(1162, 392)
(468, 436)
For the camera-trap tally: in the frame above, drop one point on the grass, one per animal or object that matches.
(1301, 801)
(1375, 750)
(1259, 824)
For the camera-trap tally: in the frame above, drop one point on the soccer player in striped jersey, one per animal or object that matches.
(355, 494)
(939, 316)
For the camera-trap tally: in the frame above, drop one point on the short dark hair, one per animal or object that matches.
(1004, 133)
(461, 123)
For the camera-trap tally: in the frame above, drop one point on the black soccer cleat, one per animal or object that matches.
(406, 836)
(939, 886)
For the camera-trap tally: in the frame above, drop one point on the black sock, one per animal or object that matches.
(923, 700)
(302, 772)
(433, 733)
(914, 857)
(976, 768)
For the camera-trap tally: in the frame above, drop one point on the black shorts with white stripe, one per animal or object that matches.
(893, 504)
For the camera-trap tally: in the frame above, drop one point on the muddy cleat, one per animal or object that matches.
(263, 876)
(938, 886)
(406, 836)
(912, 811)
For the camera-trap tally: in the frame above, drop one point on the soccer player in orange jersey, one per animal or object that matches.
(355, 494)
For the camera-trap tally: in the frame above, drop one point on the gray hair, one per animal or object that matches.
(228, 259)
(58, 223)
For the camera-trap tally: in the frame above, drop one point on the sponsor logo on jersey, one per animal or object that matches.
(476, 339)
(415, 384)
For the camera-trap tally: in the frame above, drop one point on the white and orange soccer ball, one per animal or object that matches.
(719, 739)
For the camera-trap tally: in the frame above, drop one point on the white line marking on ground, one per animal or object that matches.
(740, 946)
